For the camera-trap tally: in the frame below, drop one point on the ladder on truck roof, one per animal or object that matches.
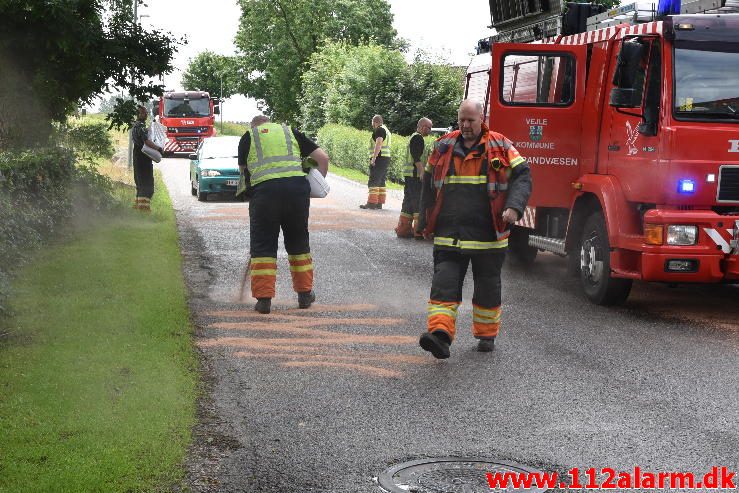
(641, 12)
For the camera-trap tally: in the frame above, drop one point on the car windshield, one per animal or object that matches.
(220, 147)
(706, 83)
(187, 107)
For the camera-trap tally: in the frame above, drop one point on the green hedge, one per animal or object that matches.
(40, 189)
(348, 147)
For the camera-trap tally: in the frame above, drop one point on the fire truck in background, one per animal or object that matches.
(188, 117)
(630, 122)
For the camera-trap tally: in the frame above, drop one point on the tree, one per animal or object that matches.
(276, 39)
(429, 89)
(58, 55)
(348, 84)
(206, 72)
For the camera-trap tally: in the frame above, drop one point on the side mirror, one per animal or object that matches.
(217, 109)
(624, 97)
(155, 107)
(192, 157)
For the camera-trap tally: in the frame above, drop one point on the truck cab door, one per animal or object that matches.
(536, 100)
(633, 107)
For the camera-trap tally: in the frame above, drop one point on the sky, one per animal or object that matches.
(431, 25)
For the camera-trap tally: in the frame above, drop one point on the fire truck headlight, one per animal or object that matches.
(686, 186)
(172, 130)
(210, 172)
(681, 234)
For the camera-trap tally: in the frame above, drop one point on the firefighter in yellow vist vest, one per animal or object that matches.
(379, 156)
(416, 156)
(270, 158)
(475, 186)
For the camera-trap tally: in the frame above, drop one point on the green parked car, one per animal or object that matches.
(213, 168)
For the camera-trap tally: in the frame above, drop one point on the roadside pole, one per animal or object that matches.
(133, 81)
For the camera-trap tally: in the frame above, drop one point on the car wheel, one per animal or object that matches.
(595, 265)
(193, 190)
(202, 196)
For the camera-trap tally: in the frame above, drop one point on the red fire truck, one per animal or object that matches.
(632, 134)
(189, 118)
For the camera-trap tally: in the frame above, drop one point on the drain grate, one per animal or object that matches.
(448, 475)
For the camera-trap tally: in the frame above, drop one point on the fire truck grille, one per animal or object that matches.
(728, 184)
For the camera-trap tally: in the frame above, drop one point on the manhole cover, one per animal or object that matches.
(449, 475)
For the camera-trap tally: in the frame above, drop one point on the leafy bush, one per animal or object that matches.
(41, 189)
(349, 148)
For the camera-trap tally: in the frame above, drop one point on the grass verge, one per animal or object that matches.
(358, 176)
(97, 371)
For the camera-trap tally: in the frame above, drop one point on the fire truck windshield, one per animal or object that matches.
(186, 107)
(707, 82)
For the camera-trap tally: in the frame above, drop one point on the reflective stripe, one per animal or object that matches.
(264, 272)
(434, 309)
(282, 171)
(466, 180)
(517, 161)
(301, 268)
(497, 187)
(469, 244)
(405, 214)
(485, 316)
(264, 260)
(483, 320)
(302, 256)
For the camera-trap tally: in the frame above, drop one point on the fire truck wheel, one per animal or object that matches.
(518, 246)
(595, 265)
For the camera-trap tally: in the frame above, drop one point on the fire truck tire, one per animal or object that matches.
(518, 246)
(595, 265)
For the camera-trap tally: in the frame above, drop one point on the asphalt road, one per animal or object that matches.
(325, 399)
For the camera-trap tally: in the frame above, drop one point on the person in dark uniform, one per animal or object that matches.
(475, 186)
(415, 161)
(270, 157)
(143, 168)
(379, 155)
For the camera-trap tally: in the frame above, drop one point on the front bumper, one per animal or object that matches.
(714, 258)
(217, 184)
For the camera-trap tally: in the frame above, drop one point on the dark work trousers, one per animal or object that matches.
(143, 174)
(450, 268)
(378, 172)
(411, 195)
(280, 203)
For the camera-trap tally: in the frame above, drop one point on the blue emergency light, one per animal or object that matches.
(686, 186)
(668, 7)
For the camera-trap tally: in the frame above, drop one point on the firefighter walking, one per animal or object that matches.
(379, 156)
(270, 157)
(143, 168)
(415, 160)
(475, 186)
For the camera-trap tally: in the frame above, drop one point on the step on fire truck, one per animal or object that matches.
(188, 117)
(630, 122)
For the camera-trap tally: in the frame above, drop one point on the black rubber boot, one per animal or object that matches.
(437, 343)
(306, 299)
(486, 345)
(263, 305)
